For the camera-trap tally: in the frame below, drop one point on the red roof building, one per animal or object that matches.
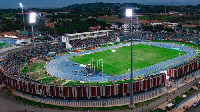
(7, 34)
(50, 24)
(96, 28)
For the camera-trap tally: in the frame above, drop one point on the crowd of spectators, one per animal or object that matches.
(90, 42)
(161, 36)
(14, 61)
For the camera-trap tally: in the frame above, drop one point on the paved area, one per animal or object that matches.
(58, 67)
(5, 51)
(191, 108)
(9, 48)
(9, 105)
(171, 94)
(180, 108)
(188, 102)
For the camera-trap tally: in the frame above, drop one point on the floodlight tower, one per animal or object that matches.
(32, 20)
(129, 14)
(20, 4)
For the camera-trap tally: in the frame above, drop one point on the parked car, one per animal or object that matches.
(195, 104)
(170, 106)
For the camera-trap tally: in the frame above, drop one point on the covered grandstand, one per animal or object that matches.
(88, 39)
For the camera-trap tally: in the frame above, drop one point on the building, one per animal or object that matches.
(96, 28)
(114, 26)
(173, 12)
(63, 12)
(50, 24)
(8, 35)
(23, 41)
(38, 14)
(154, 24)
(85, 35)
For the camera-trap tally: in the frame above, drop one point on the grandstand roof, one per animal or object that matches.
(87, 33)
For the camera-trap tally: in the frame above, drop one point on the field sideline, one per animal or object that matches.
(117, 63)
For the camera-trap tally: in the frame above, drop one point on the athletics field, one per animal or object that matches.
(118, 62)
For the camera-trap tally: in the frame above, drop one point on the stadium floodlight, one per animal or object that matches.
(32, 20)
(32, 17)
(129, 12)
(20, 4)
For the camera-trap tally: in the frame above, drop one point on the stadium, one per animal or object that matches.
(71, 76)
(101, 68)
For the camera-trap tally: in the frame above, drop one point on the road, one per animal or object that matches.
(169, 96)
(193, 109)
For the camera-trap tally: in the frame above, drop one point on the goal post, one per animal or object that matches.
(91, 65)
(101, 65)
(97, 67)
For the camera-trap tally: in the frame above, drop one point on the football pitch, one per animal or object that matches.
(118, 62)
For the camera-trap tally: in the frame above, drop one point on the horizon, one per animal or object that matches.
(64, 3)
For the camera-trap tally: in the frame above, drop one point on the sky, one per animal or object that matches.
(63, 3)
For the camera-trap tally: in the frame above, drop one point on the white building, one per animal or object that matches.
(67, 37)
(23, 41)
(154, 24)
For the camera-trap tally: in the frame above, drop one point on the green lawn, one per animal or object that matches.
(179, 98)
(1, 44)
(158, 110)
(52, 80)
(47, 79)
(71, 83)
(156, 17)
(189, 92)
(35, 70)
(117, 63)
(189, 28)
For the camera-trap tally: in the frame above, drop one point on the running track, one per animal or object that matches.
(58, 68)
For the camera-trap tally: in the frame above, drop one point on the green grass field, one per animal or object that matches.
(35, 70)
(117, 63)
(1, 44)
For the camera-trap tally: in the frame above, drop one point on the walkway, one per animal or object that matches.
(188, 103)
